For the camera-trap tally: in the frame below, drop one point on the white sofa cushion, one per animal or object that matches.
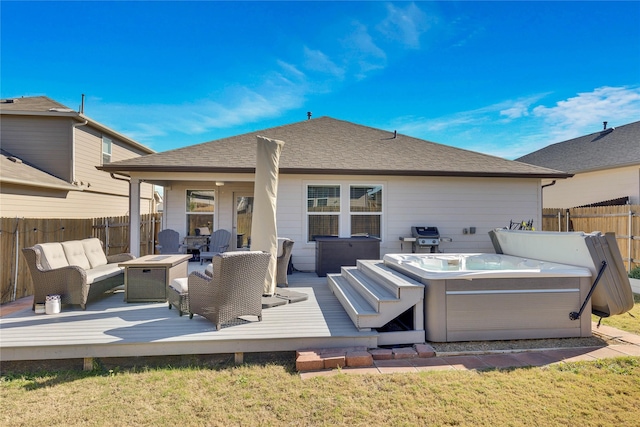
(52, 255)
(74, 252)
(93, 251)
(103, 272)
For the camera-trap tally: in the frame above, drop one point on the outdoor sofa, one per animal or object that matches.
(77, 270)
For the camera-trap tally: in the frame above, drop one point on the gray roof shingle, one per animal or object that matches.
(15, 171)
(329, 146)
(609, 148)
(33, 104)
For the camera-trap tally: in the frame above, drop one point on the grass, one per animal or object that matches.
(606, 392)
(629, 321)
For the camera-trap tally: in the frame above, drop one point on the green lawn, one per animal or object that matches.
(629, 322)
(602, 393)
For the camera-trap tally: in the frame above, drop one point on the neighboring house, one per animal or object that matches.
(340, 178)
(605, 167)
(49, 158)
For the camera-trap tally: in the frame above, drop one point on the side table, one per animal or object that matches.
(146, 278)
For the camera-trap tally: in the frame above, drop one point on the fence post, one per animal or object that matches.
(106, 235)
(567, 221)
(15, 276)
(629, 240)
(559, 220)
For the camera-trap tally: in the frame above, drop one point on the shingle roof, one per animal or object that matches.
(15, 171)
(329, 146)
(32, 103)
(609, 148)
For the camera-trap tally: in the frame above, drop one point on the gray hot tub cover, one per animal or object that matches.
(612, 295)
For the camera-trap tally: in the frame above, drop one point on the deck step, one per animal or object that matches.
(374, 296)
(356, 306)
(388, 278)
(375, 293)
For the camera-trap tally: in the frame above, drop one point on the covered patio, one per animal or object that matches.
(111, 327)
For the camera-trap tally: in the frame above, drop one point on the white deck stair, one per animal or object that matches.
(373, 295)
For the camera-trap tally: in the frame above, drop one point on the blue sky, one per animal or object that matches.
(502, 78)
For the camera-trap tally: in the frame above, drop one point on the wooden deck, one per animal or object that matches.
(111, 327)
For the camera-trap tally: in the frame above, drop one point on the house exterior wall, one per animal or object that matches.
(42, 141)
(451, 204)
(32, 202)
(47, 143)
(592, 187)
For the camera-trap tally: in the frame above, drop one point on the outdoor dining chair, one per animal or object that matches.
(169, 242)
(218, 243)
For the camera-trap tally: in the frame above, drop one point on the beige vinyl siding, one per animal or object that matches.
(34, 203)
(42, 141)
(593, 187)
(451, 204)
(89, 155)
(46, 143)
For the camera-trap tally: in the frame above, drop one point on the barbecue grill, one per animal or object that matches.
(427, 239)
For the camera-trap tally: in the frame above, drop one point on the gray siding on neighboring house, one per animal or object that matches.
(51, 154)
(42, 141)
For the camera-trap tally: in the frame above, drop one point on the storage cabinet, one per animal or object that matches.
(334, 252)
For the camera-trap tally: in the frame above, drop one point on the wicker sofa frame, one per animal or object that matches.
(70, 282)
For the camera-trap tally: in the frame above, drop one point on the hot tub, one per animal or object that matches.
(497, 297)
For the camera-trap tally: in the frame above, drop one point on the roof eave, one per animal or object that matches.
(310, 171)
(64, 187)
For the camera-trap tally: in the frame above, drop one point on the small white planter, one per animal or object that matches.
(52, 304)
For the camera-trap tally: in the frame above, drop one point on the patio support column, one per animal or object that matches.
(134, 216)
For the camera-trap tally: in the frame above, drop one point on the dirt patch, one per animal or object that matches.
(106, 364)
(489, 346)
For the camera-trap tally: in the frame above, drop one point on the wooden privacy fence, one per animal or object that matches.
(623, 220)
(18, 233)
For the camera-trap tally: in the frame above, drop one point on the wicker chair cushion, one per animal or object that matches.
(180, 285)
(93, 251)
(103, 272)
(52, 255)
(74, 251)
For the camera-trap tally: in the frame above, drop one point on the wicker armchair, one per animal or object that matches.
(283, 260)
(234, 290)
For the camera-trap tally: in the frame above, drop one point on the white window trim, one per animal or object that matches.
(110, 153)
(339, 214)
(380, 214)
(344, 215)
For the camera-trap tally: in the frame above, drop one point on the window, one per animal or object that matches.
(200, 210)
(365, 207)
(106, 150)
(323, 210)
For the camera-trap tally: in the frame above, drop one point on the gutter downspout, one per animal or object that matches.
(542, 200)
(113, 175)
(73, 149)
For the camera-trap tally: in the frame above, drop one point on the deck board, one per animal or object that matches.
(111, 327)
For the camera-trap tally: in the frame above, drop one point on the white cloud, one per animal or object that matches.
(580, 115)
(513, 128)
(316, 60)
(362, 51)
(404, 24)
